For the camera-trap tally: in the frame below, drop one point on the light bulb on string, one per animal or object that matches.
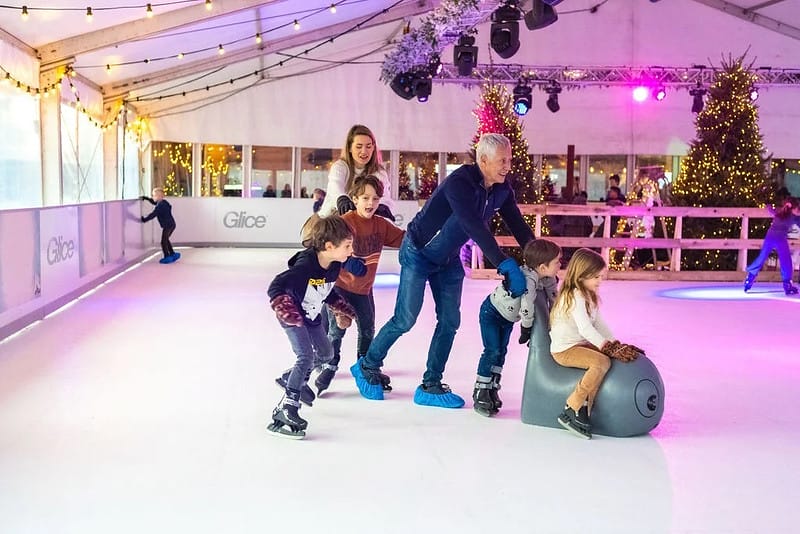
(208, 5)
(24, 13)
(149, 11)
(89, 14)
(333, 8)
(296, 25)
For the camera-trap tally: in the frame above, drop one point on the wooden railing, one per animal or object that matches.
(675, 244)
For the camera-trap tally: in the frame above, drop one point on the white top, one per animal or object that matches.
(576, 326)
(337, 181)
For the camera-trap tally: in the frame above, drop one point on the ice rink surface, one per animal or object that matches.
(142, 408)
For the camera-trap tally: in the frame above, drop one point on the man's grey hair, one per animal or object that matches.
(489, 143)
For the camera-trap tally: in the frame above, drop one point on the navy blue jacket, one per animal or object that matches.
(308, 284)
(461, 208)
(163, 210)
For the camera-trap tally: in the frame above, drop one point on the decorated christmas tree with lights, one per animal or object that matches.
(495, 114)
(725, 165)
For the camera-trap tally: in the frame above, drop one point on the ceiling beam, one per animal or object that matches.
(751, 16)
(55, 52)
(17, 43)
(123, 87)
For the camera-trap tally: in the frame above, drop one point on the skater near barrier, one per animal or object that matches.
(500, 310)
(360, 157)
(459, 209)
(370, 235)
(580, 338)
(163, 211)
(785, 216)
(297, 296)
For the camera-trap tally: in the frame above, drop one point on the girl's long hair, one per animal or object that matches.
(375, 163)
(584, 264)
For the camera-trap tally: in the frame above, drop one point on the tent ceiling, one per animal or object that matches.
(143, 52)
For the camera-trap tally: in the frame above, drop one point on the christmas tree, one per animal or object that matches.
(494, 113)
(725, 165)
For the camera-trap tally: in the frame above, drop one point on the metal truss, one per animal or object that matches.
(569, 76)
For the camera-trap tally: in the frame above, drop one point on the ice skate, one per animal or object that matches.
(749, 281)
(286, 422)
(482, 397)
(307, 396)
(572, 422)
(789, 289)
(496, 387)
(323, 380)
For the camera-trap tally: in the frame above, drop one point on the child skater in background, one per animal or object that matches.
(785, 216)
(580, 338)
(500, 311)
(371, 234)
(297, 295)
(162, 210)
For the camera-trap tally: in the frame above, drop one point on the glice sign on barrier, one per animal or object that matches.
(59, 250)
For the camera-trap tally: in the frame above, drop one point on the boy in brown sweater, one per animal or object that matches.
(370, 235)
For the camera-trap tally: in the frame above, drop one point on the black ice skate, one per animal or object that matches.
(789, 289)
(496, 387)
(325, 377)
(749, 281)
(569, 419)
(482, 397)
(286, 422)
(306, 393)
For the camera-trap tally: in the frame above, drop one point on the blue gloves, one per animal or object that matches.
(514, 277)
(358, 267)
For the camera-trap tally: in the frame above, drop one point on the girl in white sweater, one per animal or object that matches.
(579, 337)
(360, 157)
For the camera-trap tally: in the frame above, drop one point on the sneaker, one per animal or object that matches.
(438, 395)
(569, 420)
(306, 393)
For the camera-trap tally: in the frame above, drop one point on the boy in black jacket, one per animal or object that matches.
(162, 210)
(297, 295)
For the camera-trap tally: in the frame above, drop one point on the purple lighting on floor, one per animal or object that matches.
(727, 292)
(640, 93)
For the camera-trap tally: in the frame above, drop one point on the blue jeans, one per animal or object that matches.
(495, 333)
(364, 305)
(781, 244)
(312, 348)
(446, 282)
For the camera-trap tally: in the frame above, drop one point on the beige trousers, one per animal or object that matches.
(596, 364)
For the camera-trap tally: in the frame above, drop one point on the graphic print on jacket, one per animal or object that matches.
(316, 292)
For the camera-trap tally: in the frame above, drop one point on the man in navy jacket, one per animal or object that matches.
(459, 209)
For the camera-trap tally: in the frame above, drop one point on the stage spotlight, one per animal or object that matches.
(659, 93)
(697, 98)
(435, 65)
(754, 94)
(523, 99)
(465, 55)
(553, 89)
(640, 93)
(403, 85)
(541, 14)
(504, 34)
(422, 88)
